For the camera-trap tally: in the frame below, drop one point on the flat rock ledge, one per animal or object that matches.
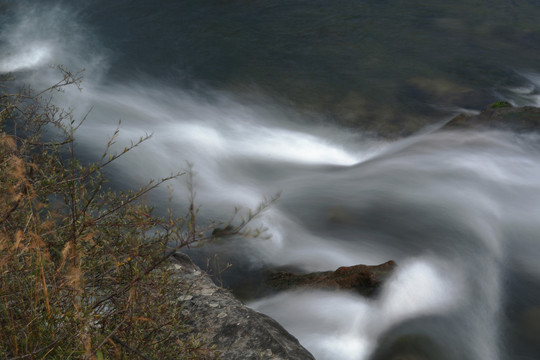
(218, 319)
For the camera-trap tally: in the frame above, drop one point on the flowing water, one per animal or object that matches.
(335, 104)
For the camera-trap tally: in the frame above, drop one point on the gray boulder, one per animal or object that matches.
(219, 320)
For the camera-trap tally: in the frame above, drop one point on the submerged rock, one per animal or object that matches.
(445, 92)
(426, 337)
(499, 116)
(220, 321)
(529, 325)
(363, 279)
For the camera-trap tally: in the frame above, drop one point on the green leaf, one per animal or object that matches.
(99, 355)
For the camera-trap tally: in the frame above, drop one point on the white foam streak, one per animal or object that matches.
(258, 141)
(419, 288)
(218, 134)
(528, 94)
(224, 128)
(290, 243)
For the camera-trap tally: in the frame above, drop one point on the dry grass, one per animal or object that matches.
(83, 271)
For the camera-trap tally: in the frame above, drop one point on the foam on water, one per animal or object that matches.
(528, 93)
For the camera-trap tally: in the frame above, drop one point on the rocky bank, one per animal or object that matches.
(222, 322)
(219, 320)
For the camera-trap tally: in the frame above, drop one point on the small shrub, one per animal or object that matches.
(84, 271)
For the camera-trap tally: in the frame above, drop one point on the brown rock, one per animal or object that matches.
(363, 279)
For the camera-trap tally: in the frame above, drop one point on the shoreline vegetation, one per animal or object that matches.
(85, 271)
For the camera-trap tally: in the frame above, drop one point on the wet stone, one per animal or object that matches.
(207, 292)
(222, 315)
(267, 352)
(363, 279)
(216, 318)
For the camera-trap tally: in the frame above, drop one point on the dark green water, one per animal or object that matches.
(390, 65)
(383, 65)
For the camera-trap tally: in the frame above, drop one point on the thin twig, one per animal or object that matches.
(35, 352)
(107, 338)
(135, 351)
